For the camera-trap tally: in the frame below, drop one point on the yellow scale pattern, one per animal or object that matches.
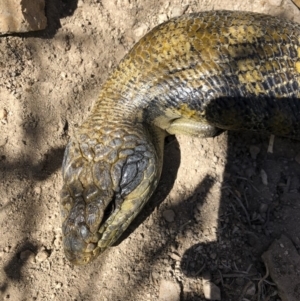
(194, 74)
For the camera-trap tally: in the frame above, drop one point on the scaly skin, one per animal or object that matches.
(196, 74)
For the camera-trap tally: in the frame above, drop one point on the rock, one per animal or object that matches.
(210, 290)
(175, 256)
(176, 11)
(254, 151)
(27, 255)
(251, 290)
(283, 263)
(264, 177)
(169, 215)
(22, 16)
(42, 255)
(141, 30)
(263, 208)
(169, 291)
(162, 18)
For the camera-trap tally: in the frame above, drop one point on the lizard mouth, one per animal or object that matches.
(79, 240)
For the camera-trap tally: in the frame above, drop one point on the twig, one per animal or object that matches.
(241, 204)
(185, 224)
(245, 290)
(266, 281)
(238, 275)
(271, 144)
(201, 269)
(261, 281)
(249, 268)
(235, 211)
(245, 196)
(221, 276)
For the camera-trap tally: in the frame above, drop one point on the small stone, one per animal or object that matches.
(27, 255)
(176, 11)
(58, 285)
(210, 290)
(42, 256)
(169, 291)
(254, 151)
(7, 249)
(264, 177)
(141, 30)
(155, 276)
(169, 215)
(175, 256)
(37, 190)
(162, 18)
(283, 262)
(3, 116)
(126, 277)
(57, 242)
(251, 290)
(213, 255)
(263, 208)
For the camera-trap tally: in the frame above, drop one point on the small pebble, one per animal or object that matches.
(251, 290)
(264, 177)
(154, 276)
(210, 290)
(169, 291)
(162, 18)
(57, 242)
(126, 277)
(254, 151)
(263, 208)
(7, 249)
(37, 190)
(176, 11)
(42, 256)
(175, 256)
(140, 31)
(169, 215)
(58, 285)
(27, 255)
(3, 115)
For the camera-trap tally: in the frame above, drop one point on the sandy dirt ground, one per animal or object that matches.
(220, 203)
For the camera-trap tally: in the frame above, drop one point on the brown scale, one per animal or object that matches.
(195, 75)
